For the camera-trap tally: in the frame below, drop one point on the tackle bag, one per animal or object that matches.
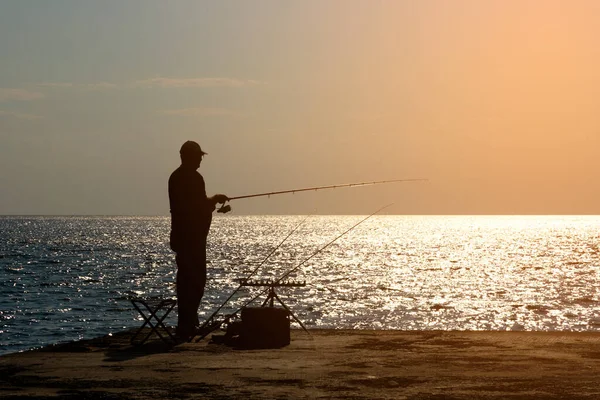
(264, 328)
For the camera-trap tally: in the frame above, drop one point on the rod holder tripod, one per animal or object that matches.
(272, 295)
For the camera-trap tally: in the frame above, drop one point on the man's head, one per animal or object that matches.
(191, 154)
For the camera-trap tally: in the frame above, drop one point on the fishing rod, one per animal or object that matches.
(226, 208)
(330, 243)
(209, 319)
(217, 324)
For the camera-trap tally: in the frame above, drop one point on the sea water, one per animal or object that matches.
(68, 278)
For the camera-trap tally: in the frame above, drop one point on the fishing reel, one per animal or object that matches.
(225, 208)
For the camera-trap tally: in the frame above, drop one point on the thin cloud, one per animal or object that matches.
(201, 112)
(161, 82)
(55, 84)
(82, 86)
(15, 94)
(17, 115)
(98, 86)
(158, 82)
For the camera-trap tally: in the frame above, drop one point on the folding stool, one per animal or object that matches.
(149, 309)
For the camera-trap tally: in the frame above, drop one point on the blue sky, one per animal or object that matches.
(493, 101)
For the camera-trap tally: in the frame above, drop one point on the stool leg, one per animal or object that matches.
(146, 321)
(152, 326)
(151, 313)
(160, 321)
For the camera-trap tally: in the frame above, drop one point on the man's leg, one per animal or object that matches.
(197, 294)
(191, 279)
(185, 290)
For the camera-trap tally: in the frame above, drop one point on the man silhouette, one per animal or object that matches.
(191, 216)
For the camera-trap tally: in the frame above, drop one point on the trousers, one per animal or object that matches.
(191, 280)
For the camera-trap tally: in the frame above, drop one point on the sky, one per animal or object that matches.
(494, 102)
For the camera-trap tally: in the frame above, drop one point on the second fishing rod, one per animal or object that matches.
(210, 327)
(210, 320)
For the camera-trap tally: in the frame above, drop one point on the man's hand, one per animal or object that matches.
(220, 198)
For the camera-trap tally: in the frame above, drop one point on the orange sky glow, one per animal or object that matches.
(494, 101)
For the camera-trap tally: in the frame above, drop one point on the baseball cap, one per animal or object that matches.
(191, 147)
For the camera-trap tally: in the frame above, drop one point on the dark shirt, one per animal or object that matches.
(191, 211)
